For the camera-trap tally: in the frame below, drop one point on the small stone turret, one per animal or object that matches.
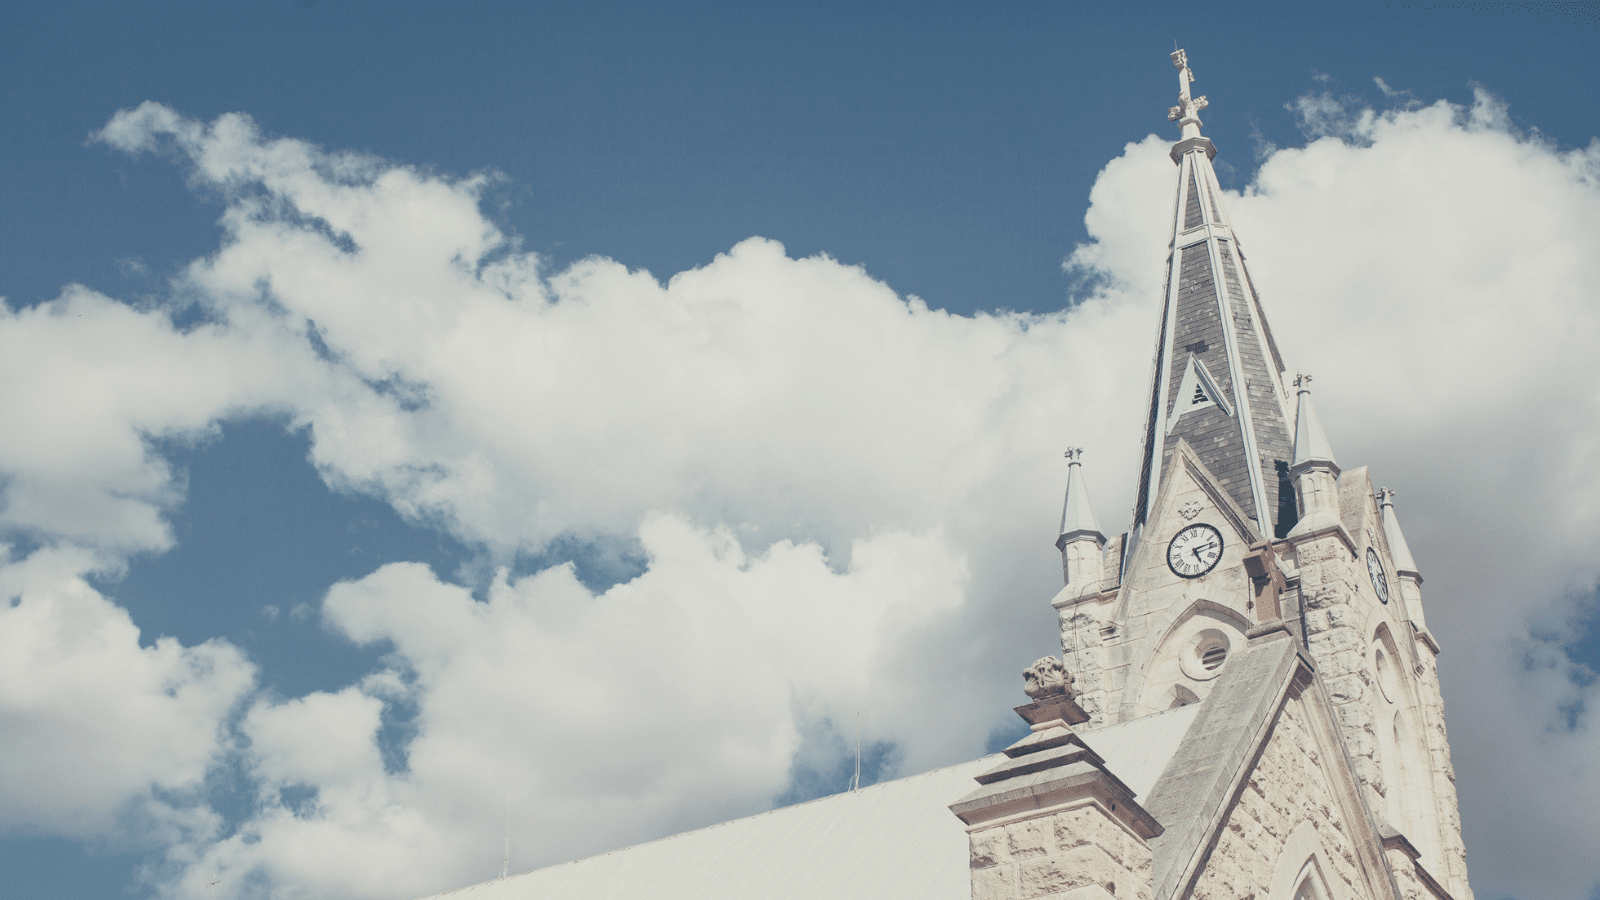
(1082, 543)
(1314, 472)
(1408, 577)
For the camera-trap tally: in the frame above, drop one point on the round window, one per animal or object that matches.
(1206, 654)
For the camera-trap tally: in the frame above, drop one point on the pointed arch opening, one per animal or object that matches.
(1184, 664)
(1301, 871)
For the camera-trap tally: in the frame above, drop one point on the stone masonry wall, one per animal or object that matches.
(1334, 635)
(1330, 584)
(1288, 786)
(1078, 851)
(1444, 779)
(1084, 656)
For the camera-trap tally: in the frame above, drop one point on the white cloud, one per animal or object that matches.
(86, 384)
(101, 738)
(1436, 275)
(847, 498)
(667, 702)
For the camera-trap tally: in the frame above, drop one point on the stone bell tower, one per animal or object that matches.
(1245, 525)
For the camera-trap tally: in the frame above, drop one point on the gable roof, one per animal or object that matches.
(899, 840)
(889, 841)
(1201, 777)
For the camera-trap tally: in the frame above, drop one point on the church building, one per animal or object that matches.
(1247, 703)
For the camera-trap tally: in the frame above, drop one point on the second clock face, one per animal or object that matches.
(1195, 551)
(1380, 581)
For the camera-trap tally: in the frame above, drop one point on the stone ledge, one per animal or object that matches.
(1182, 147)
(1394, 840)
(1426, 637)
(1052, 708)
(1053, 758)
(1054, 788)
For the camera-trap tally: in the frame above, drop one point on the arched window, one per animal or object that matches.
(1311, 886)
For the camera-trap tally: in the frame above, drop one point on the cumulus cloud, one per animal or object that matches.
(667, 702)
(87, 383)
(1463, 286)
(845, 499)
(102, 738)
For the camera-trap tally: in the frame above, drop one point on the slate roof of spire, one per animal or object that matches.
(1211, 314)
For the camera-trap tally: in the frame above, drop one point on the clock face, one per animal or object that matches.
(1195, 551)
(1380, 582)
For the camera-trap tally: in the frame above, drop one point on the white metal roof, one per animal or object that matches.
(889, 841)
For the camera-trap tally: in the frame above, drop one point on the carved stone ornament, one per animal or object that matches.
(1187, 108)
(1047, 678)
(1191, 509)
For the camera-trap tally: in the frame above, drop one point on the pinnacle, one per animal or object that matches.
(1077, 514)
(1310, 441)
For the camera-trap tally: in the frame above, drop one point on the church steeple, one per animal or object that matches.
(1218, 378)
(1248, 534)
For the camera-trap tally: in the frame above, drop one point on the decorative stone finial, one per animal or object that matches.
(1047, 678)
(1302, 381)
(1187, 112)
(1074, 455)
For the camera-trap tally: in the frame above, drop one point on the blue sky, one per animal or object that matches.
(206, 458)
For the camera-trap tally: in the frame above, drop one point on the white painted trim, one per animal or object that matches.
(1162, 375)
(1204, 232)
(1248, 285)
(1241, 392)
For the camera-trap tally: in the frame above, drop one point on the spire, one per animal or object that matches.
(1398, 550)
(1077, 516)
(1310, 441)
(1218, 379)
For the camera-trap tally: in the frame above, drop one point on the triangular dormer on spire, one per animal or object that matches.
(1081, 541)
(1218, 378)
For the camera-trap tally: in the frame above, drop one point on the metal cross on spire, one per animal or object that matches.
(1187, 112)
